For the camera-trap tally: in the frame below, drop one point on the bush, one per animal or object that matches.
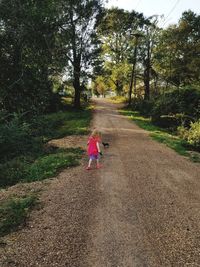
(181, 101)
(192, 135)
(143, 106)
(16, 139)
(14, 212)
(47, 124)
(57, 125)
(173, 121)
(23, 155)
(13, 171)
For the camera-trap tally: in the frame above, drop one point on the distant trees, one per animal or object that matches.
(118, 31)
(164, 56)
(79, 20)
(115, 31)
(177, 53)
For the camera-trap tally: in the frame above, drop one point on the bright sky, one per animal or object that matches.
(171, 9)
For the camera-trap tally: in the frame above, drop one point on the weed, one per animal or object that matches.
(14, 212)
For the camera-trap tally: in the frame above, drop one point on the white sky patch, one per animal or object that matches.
(159, 7)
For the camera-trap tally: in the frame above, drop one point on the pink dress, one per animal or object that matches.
(92, 145)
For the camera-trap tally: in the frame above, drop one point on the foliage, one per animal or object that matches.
(176, 55)
(173, 121)
(13, 212)
(57, 125)
(117, 99)
(78, 42)
(47, 166)
(191, 135)
(143, 106)
(27, 44)
(24, 154)
(21, 138)
(16, 139)
(185, 101)
(115, 31)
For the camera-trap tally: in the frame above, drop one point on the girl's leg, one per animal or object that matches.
(98, 165)
(89, 163)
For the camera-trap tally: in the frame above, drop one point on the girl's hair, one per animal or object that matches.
(95, 132)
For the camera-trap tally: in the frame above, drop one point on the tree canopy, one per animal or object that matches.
(40, 42)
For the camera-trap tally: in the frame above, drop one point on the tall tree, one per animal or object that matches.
(26, 35)
(178, 51)
(79, 20)
(115, 32)
(146, 52)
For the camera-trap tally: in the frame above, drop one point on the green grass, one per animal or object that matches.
(60, 124)
(159, 134)
(48, 166)
(36, 163)
(27, 169)
(13, 213)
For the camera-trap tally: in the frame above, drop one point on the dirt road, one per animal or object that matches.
(142, 209)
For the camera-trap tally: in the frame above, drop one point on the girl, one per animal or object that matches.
(93, 148)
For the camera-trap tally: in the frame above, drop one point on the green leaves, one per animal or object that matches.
(177, 51)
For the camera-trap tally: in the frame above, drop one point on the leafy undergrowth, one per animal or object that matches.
(60, 124)
(25, 155)
(27, 169)
(13, 212)
(161, 135)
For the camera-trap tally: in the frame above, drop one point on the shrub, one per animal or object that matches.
(47, 124)
(13, 171)
(173, 121)
(192, 135)
(16, 139)
(143, 106)
(14, 212)
(181, 101)
(57, 125)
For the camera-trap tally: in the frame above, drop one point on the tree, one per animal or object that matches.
(178, 50)
(146, 52)
(78, 39)
(115, 31)
(26, 37)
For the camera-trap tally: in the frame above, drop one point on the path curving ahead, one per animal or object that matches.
(142, 209)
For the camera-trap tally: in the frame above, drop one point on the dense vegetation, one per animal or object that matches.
(25, 155)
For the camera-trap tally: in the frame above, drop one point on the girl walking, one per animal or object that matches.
(94, 148)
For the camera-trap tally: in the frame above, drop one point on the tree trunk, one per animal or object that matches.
(76, 84)
(147, 74)
(77, 88)
(132, 74)
(147, 83)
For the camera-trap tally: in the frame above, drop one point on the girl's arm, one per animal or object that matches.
(98, 147)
